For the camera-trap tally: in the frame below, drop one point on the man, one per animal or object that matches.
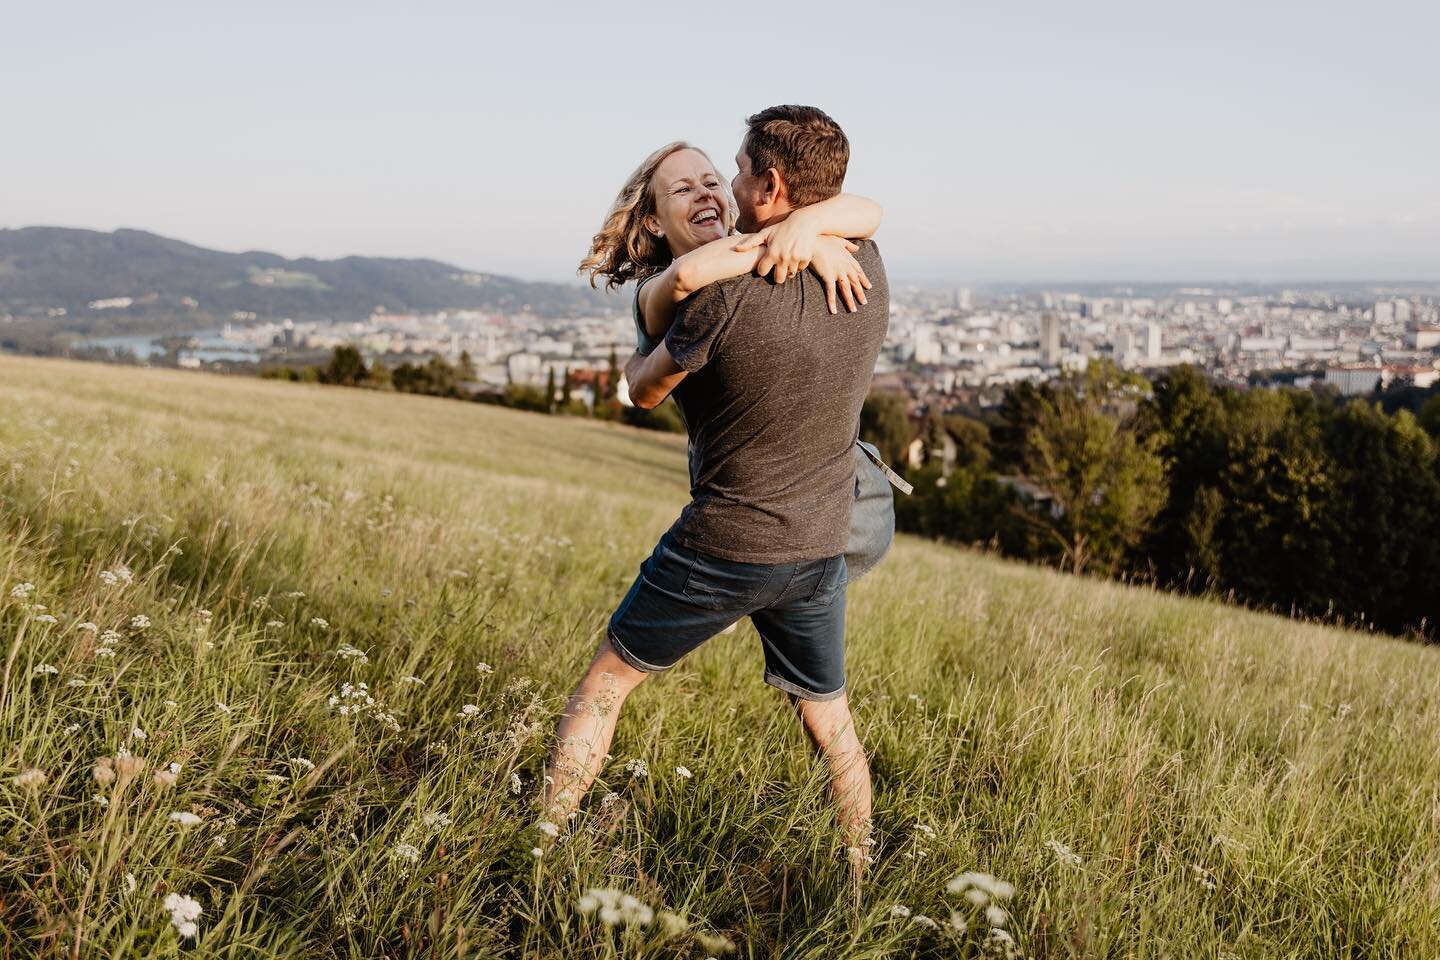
(771, 385)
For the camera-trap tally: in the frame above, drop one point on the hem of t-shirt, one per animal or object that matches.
(725, 552)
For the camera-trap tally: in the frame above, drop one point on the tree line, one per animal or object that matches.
(1291, 500)
(438, 377)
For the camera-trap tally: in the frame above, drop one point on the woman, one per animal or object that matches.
(672, 230)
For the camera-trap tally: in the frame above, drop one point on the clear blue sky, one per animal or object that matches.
(1008, 142)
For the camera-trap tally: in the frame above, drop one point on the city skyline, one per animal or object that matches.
(1126, 144)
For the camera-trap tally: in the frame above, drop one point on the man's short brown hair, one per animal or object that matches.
(808, 149)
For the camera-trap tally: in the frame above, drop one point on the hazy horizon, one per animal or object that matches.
(1125, 144)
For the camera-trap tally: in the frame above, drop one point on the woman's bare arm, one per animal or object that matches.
(790, 244)
(717, 260)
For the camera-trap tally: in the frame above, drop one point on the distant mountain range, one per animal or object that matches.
(44, 270)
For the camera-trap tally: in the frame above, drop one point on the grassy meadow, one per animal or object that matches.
(282, 662)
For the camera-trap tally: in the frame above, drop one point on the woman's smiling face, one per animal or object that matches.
(690, 204)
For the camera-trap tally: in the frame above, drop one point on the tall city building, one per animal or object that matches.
(1050, 339)
(1152, 341)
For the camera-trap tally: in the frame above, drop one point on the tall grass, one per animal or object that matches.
(1156, 776)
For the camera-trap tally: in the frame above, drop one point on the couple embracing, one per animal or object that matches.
(767, 341)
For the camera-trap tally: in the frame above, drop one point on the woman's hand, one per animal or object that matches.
(835, 265)
(789, 247)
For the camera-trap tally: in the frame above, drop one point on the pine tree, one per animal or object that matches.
(550, 391)
(612, 377)
(565, 389)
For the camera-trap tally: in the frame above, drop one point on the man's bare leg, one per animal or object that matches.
(832, 730)
(582, 738)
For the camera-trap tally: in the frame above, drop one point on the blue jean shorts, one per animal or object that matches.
(683, 597)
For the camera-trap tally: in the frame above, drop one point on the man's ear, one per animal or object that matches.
(775, 190)
(652, 223)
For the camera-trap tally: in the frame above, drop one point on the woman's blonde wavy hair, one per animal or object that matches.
(624, 250)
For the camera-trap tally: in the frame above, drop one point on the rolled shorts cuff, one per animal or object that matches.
(630, 658)
(780, 683)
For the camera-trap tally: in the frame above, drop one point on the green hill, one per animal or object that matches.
(171, 282)
(1156, 776)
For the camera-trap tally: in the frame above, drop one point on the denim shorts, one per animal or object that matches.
(683, 597)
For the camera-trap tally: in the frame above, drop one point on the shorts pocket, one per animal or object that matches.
(831, 584)
(717, 584)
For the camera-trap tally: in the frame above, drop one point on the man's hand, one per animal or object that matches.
(652, 378)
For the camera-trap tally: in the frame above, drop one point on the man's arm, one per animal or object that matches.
(652, 378)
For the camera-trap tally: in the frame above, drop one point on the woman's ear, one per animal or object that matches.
(652, 223)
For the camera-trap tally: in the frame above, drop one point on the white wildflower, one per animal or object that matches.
(536, 852)
(29, 779)
(995, 916)
(900, 910)
(435, 821)
(22, 591)
(484, 668)
(320, 622)
(170, 704)
(549, 829)
(515, 784)
(47, 669)
(637, 768)
(469, 710)
(137, 734)
(683, 773)
(406, 851)
(303, 763)
(46, 618)
(184, 911)
(87, 626)
(348, 652)
(223, 708)
(412, 681)
(1063, 853)
(184, 818)
(80, 681)
(274, 624)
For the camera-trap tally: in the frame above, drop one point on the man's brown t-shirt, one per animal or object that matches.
(772, 403)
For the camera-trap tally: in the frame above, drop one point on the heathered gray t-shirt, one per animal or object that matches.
(772, 402)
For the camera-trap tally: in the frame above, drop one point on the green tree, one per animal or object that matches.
(1106, 482)
(550, 391)
(1430, 416)
(346, 367)
(885, 422)
(565, 389)
(465, 370)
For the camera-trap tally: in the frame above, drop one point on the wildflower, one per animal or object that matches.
(980, 888)
(616, 908)
(218, 842)
(101, 801)
(277, 778)
(469, 710)
(1203, 877)
(104, 652)
(1063, 853)
(683, 773)
(921, 920)
(72, 728)
(137, 734)
(29, 779)
(436, 821)
(139, 622)
(406, 851)
(637, 769)
(274, 624)
(995, 916)
(22, 591)
(170, 704)
(47, 618)
(203, 615)
(484, 668)
(320, 622)
(165, 778)
(536, 852)
(412, 680)
(184, 911)
(957, 922)
(184, 818)
(899, 910)
(80, 681)
(127, 766)
(515, 785)
(103, 772)
(222, 707)
(47, 669)
(302, 763)
(109, 638)
(87, 626)
(129, 884)
(348, 652)
(549, 829)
